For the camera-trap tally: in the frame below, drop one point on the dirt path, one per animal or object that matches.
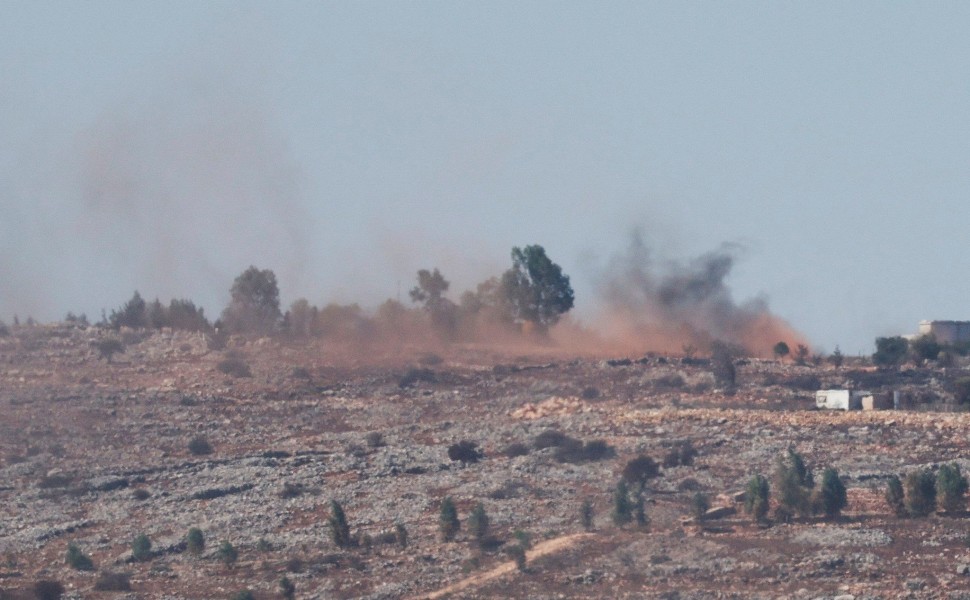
(541, 549)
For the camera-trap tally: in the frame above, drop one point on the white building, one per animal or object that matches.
(946, 332)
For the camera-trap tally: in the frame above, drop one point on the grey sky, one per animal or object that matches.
(164, 147)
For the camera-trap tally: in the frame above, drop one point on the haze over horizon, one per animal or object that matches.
(166, 147)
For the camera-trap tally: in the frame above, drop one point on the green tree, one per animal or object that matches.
(832, 494)
(586, 514)
(925, 347)
(478, 523)
(401, 535)
(920, 493)
(951, 488)
(794, 482)
(756, 498)
(77, 559)
(699, 505)
(781, 350)
(195, 541)
(836, 359)
(287, 588)
(430, 291)
(132, 314)
(141, 548)
(448, 523)
(622, 505)
(255, 303)
(339, 529)
(535, 290)
(890, 351)
(895, 496)
(639, 471)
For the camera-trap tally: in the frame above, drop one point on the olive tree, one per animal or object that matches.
(535, 290)
(255, 303)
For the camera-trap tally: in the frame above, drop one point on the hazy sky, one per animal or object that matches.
(166, 146)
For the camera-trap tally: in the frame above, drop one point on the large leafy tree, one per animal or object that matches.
(430, 291)
(535, 290)
(255, 303)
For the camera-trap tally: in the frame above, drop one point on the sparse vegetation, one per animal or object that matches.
(401, 535)
(48, 589)
(623, 506)
(478, 523)
(586, 514)
(832, 498)
(108, 347)
(234, 367)
(515, 449)
(244, 595)
(640, 470)
(576, 451)
(287, 588)
(113, 582)
(699, 505)
(896, 497)
(794, 484)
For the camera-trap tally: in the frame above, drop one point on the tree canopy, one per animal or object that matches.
(255, 303)
(535, 289)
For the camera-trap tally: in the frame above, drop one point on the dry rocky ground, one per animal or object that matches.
(96, 453)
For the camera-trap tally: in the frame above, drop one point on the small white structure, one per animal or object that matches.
(843, 399)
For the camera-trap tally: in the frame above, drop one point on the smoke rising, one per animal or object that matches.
(664, 306)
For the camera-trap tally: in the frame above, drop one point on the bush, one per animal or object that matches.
(682, 454)
(517, 552)
(961, 390)
(756, 498)
(374, 439)
(576, 451)
(794, 483)
(141, 494)
(448, 523)
(108, 347)
(199, 446)
(401, 535)
(78, 559)
(640, 470)
(227, 553)
(465, 451)
(951, 488)
(699, 504)
(590, 393)
(141, 548)
(113, 582)
(195, 541)
(890, 351)
(413, 376)
(291, 490)
(255, 303)
(515, 449)
(234, 367)
(832, 495)
(920, 493)
(668, 382)
(895, 497)
(244, 595)
(47, 589)
(550, 438)
(287, 588)
(722, 363)
(339, 528)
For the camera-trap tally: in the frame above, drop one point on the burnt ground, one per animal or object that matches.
(96, 453)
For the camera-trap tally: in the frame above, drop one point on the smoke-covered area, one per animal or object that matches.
(651, 304)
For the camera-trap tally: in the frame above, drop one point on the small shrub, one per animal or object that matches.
(77, 559)
(590, 393)
(515, 449)
(47, 589)
(375, 439)
(113, 582)
(291, 490)
(141, 494)
(294, 565)
(951, 488)
(244, 595)
(287, 588)
(234, 367)
(54, 481)
(668, 382)
(448, 523)
(586, 514)
(263, 545)
(199, 446)
(576, 451)
(523, 538)
(339, 528)
(141, 548)
(920, 493)
(413, 376)
(401, 535)
(465, 451)
(550, 438)
(518, 555)
(195, 541)
(301, 373)
(228, 554)
(895, 497)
